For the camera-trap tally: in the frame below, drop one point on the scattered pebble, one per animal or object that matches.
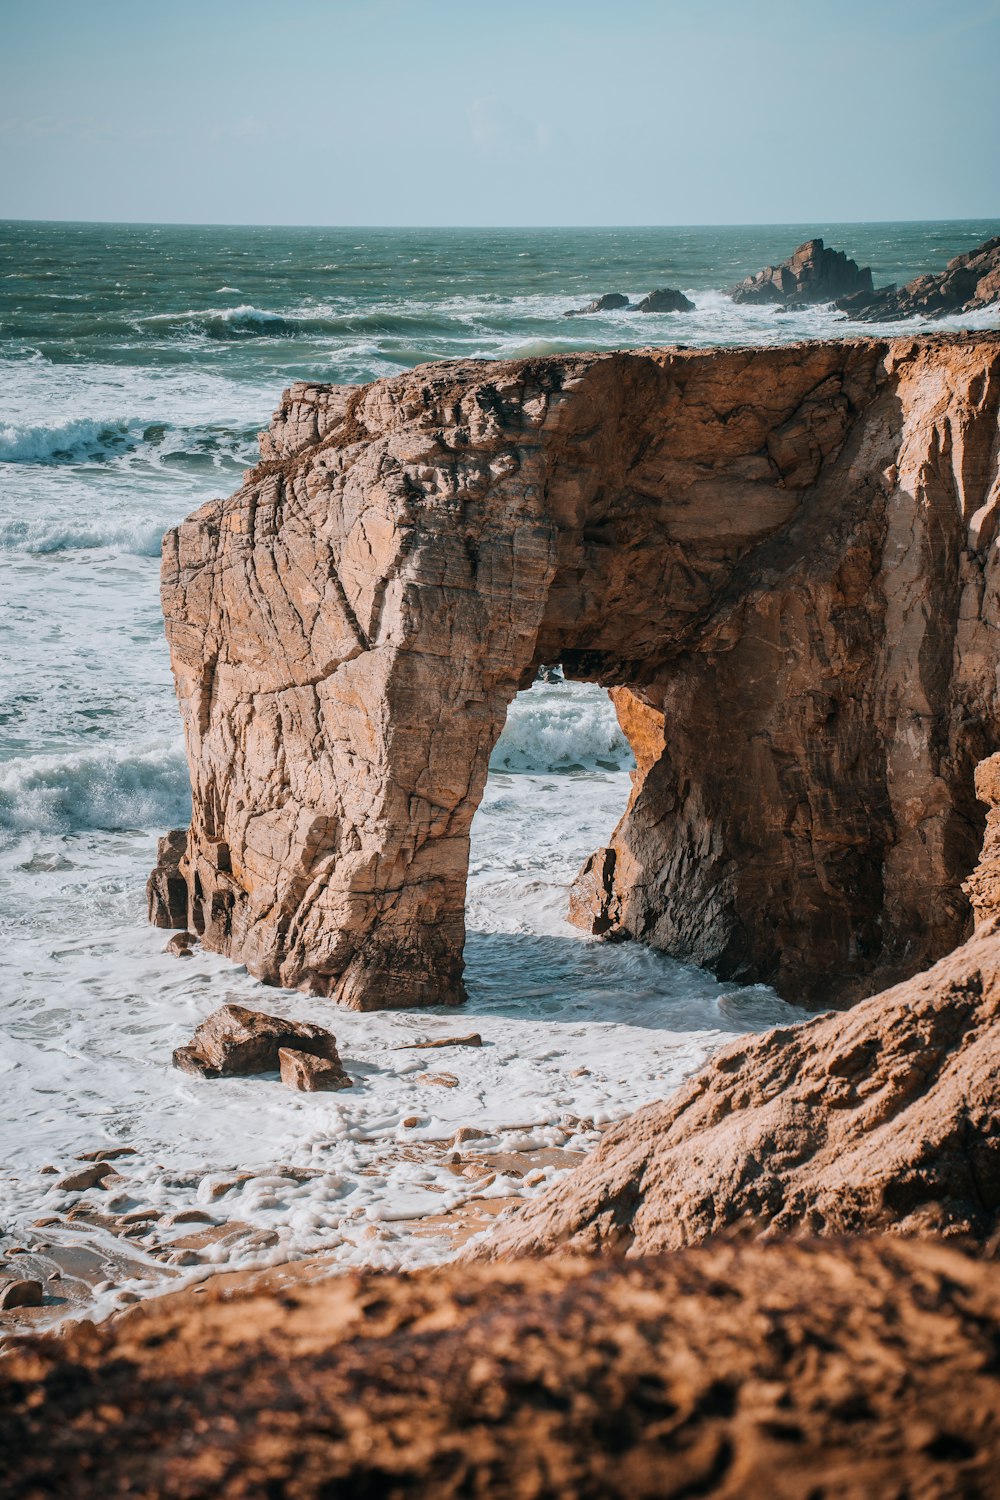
(446, 1080)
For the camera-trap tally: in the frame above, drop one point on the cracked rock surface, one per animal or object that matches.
(782, 560)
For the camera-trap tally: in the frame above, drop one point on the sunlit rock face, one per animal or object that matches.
(783, 559)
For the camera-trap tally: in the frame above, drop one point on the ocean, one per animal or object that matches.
(137, 364)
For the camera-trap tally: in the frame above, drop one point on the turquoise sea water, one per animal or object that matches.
(136, 365)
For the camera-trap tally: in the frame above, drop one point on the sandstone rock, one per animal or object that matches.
(969, 282)
(166, 888)
(610, 302)
(786, 554)
(851, 1370)
(310, 1074)
(235, 1040)
(812, 273)
(664, 300)
(87, 1177)
(886, 1118)
(180, 944)
(467, 1133)
(20, 1294)
(983, 885)
(107, 1153)
(443, 1080)
(472, 1040)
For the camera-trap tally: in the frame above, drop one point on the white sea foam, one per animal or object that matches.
(558, 727)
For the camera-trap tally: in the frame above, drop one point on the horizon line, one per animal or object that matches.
(492, 228)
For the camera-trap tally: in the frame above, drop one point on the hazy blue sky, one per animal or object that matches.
(499, 111)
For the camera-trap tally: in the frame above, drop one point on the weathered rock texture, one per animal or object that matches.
(983, 885)
(782, 559)
(812, 273)
(886, 1118)
(968, 283)
(843, 1371)
(235, 1041)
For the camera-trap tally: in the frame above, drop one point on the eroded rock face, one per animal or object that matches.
(852, 1370)
(968, 283)
(812, 273)
(886, 1118)
(781, 559)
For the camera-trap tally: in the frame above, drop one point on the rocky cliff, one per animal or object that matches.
(847, 1370)
(883, 1119)
(781, 559)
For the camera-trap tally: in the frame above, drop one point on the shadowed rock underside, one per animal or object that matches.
(781, 559)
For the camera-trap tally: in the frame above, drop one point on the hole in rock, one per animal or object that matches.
(558, 785)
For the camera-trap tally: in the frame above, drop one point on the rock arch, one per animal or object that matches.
(782, 560)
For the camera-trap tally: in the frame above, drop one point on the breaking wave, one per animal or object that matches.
(88, 440)
(108, 789)
(49, 534)
(562, 727)
(70, 442)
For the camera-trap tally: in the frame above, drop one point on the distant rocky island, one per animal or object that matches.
(814, 274)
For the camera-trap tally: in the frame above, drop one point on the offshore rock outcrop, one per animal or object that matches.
(846, 1370)
(782, 560)
(812, 273)
(967, 284)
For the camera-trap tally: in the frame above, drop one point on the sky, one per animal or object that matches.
(493, 112)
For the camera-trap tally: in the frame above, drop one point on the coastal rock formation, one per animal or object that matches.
(781, 559)
(852, 1370)
(983, 885)
(886, 1118)
(665, 299)
(812, 273)
(967, 283)
(235, 1041)
(609, 302)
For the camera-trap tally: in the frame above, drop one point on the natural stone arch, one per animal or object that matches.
(781, 559)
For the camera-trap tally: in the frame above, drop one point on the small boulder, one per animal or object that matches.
(310, 1074)
(180, 944)
(235, 1041)
(663, 300)
(87, 1177)
(609, 302)
(20, 1294)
